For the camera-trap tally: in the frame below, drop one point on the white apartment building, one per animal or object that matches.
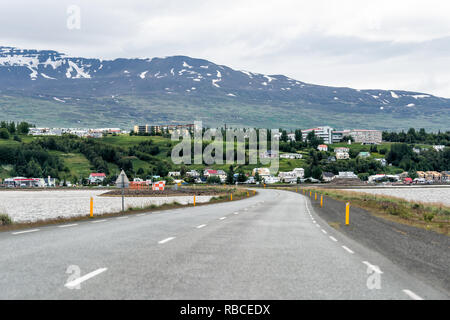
(323, 132)
(366, 136)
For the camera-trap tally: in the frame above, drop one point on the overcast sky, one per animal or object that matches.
(362, 44)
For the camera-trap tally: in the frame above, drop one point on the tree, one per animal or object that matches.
(298, 135)
(12, 127)
(412, 174)
(4, 134)
(23, 128)
(241, 176)
(230, 175)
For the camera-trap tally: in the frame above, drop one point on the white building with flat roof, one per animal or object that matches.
(323, 132)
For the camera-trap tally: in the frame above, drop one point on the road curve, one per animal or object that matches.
(271, 246)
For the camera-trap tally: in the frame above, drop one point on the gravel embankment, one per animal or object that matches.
(424, 254)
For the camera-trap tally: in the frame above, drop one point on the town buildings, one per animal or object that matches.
(366, 136)
(169, 128)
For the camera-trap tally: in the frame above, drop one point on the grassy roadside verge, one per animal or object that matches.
(7, 224)
(435, 217)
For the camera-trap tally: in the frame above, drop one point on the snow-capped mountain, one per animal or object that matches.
(57, 78)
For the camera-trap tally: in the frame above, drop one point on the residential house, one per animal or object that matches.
(322, 147)
(287, 177)
(269, 154)
(382, 161)
(271, 179)
(22, 182)
(342, 153)
(439, 147)
(328, 176)
(346, 175)
(364, 154)
(174, 174)
(291, 136)
(96, 178)
(445, 176)
(193, 174)
(291, 156)
(263, 172)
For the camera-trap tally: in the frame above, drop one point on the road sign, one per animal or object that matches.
(122, 180)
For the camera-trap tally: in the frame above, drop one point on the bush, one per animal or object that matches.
(428, 216)
(5, 219)
(4, 134)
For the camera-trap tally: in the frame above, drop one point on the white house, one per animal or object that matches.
(263, 172)
(174, 174)
(193, 174)
(271, 179)
(322, 147)
(347, 175)
(291, 156)
(96, 178)
(439, 147)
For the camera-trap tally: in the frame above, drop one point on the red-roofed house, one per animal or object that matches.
(96, 178)
(322, 147)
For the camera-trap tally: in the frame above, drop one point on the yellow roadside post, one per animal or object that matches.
(310, 193)
(296, 189)
(231, 197)
(264, 185)
(321, 201)
(92, 207)
(254, 192)
(248, 194)
(347, 213)
(315, 196)
(194, 200)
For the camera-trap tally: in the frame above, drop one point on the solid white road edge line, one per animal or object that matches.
(26, 231)
(373, 267)
(76, 282)
(348, 250)
(122, 218)
(68, 225)
(166, 240)
(412, 295)
(97, 221)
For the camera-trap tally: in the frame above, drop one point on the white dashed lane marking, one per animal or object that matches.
(26, 231)
(223, 218)
(201, 226)
(333, 238)
(88, 276)
(166, 240)
(373, 267)
(412, 295)
(348, 250)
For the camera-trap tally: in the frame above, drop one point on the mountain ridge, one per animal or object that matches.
(141, 88)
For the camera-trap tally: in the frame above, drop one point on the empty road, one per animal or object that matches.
(270, 246)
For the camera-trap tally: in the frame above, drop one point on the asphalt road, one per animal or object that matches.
(271, 246)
